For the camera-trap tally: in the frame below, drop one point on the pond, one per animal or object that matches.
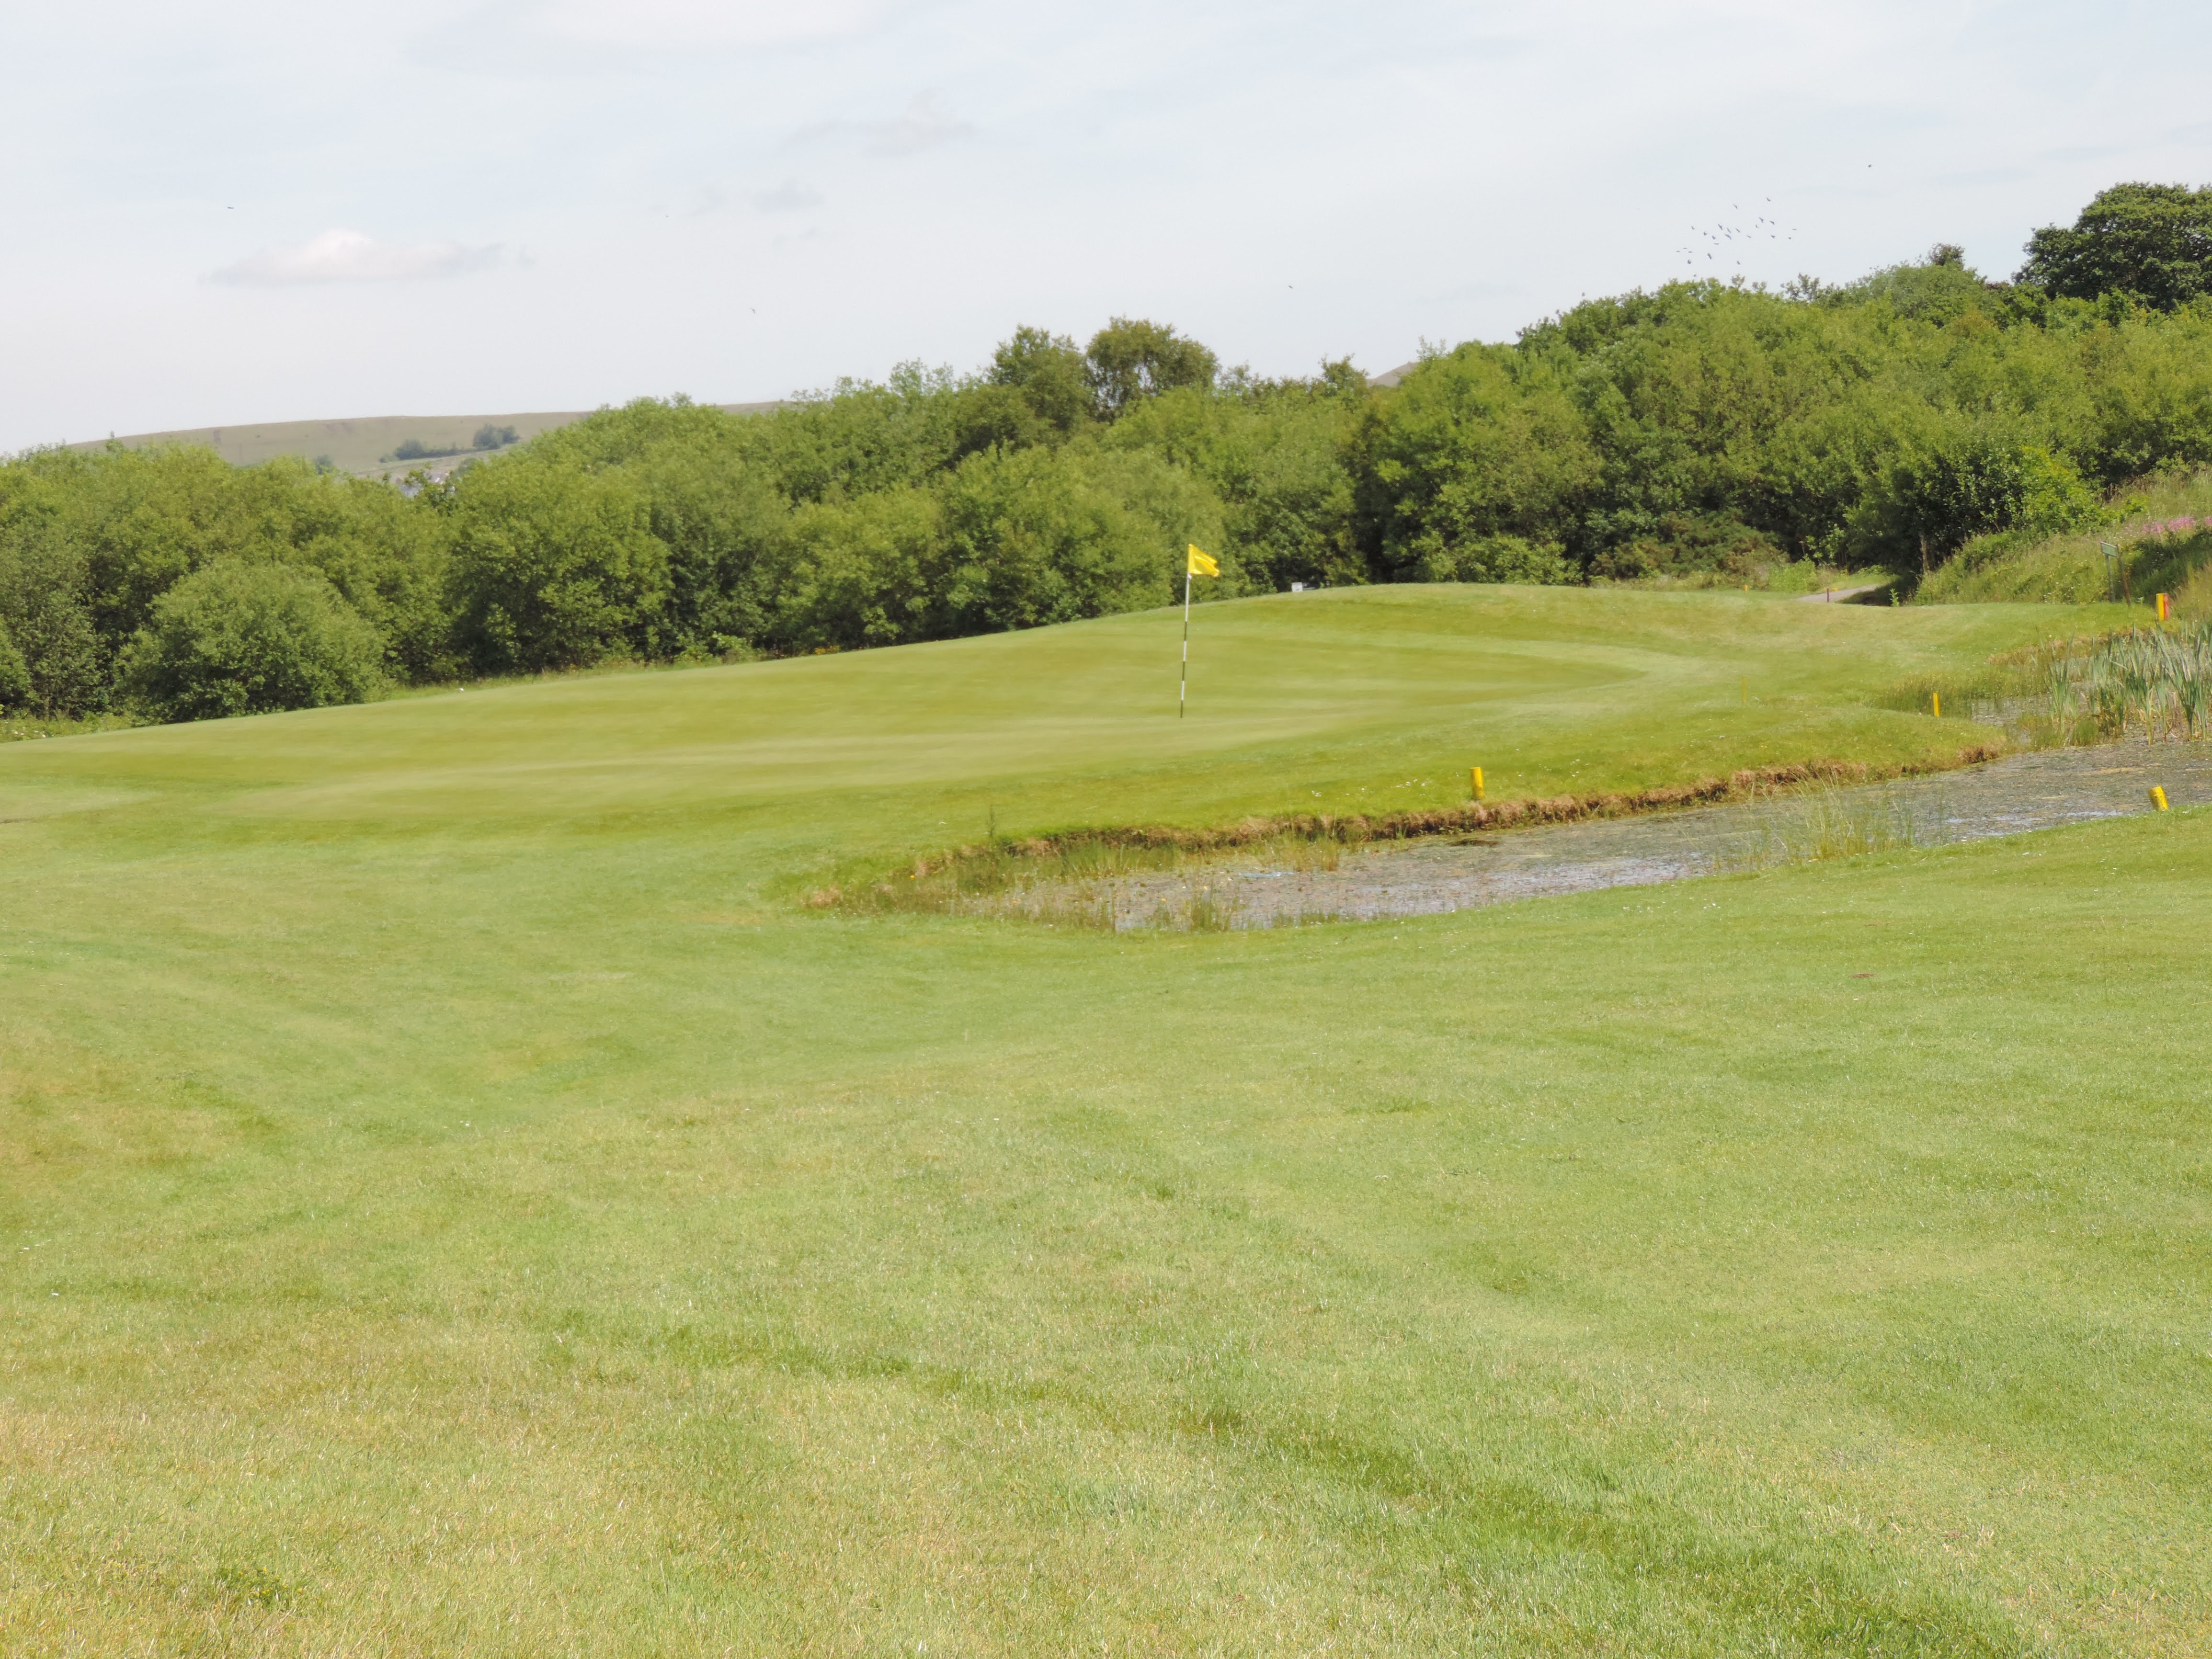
(2038, 790)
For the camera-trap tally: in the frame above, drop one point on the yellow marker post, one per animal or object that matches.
(1474, 778)
(2165, 606)
(1935, 698)
(2158, 797)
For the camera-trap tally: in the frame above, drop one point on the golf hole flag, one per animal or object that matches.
(1197, 564)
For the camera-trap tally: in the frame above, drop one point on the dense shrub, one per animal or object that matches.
(15, 677)
(1038, 535)
(237, 639)
(554, 567)
(1700, 431)
(860, 573)
(1480, 454)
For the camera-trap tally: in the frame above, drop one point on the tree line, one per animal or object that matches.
(1702, 427)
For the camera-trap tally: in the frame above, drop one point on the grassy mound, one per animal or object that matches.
(2164, 543)
(456, 1200)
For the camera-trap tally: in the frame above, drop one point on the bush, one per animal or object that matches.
(238, 639)
(1488, 559)
(1471, 465)
(15, 678)
(1975, 485)
(554, 568)
(1044, 536)
(860, 573)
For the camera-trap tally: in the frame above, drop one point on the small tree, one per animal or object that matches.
(236, 639)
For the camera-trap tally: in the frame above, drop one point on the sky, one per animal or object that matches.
(251, 211)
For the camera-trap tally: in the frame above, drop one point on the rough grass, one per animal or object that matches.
(455, 1200)
(2163, 530)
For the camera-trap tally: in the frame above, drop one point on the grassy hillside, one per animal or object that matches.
(2164, 539)
(354, 445)
(455, 1201)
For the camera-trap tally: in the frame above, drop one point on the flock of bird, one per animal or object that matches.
(1719, 236)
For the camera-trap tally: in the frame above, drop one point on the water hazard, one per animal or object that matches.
(2035, 790)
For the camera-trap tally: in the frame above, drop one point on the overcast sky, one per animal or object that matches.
(250, 211)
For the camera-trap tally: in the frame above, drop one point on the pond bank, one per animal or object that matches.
(1497, 864)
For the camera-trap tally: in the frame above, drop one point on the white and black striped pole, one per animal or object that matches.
(1182, 690)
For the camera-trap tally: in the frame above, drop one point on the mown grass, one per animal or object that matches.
(457, 1200)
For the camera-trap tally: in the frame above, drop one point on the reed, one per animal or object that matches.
(1832, 822)
(2155, 681)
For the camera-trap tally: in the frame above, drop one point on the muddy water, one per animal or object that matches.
(2035, 791)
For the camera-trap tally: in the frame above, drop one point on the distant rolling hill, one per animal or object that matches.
(363, 445)
(370, 445)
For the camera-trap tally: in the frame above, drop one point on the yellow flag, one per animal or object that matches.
(1200, 565)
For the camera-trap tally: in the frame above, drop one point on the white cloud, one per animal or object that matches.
(347, 256)
(789, 197)
(662, 23)
(1283, 180)
(922, 126)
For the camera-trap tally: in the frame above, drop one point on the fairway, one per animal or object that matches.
(457, 1199)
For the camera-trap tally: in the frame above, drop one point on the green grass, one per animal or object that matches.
(2072, 570)
(456, 1200)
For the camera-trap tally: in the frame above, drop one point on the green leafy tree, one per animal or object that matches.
(1938, 288)
(1051, 377)
(1043, 536)
(1472, 471)
(1130, 359)
(14, 675)
(1979, 481)
(43, 604)
(866, 572)
(236, 639)
(1273, 452)
(2150, 243)
(554, 567)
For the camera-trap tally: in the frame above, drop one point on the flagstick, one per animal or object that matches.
(1183, 691)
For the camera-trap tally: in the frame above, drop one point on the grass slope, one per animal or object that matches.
(2072, 570)
(451, 1203)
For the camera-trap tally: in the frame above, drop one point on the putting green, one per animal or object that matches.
(1355, 698)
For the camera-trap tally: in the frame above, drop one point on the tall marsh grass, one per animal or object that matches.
(2155, 681)
(1832, 823)
(1076, 884)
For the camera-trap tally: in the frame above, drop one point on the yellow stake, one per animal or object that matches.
(2165, 606)
(1936, 698)
(2158, 797)
(1474, 777)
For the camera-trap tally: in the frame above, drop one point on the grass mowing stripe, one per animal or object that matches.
(434, 1226)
